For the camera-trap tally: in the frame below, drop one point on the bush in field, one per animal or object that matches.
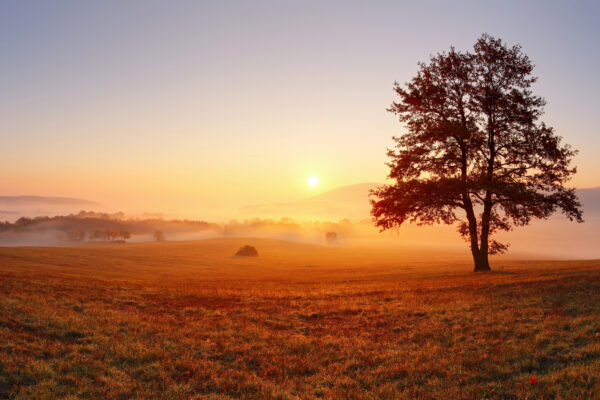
(247, 251)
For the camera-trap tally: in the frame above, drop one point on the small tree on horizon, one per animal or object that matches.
(475, 153)
(331, 237)
(159, 236)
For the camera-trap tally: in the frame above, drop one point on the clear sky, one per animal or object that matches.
(194, 107)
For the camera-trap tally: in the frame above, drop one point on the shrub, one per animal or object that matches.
(247, 251)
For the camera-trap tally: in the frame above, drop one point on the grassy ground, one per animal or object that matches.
(187, 320)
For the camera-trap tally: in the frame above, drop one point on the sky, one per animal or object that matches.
(192, 108)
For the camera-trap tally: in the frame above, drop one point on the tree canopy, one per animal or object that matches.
(475, 153)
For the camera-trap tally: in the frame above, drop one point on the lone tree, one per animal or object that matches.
(475, 153)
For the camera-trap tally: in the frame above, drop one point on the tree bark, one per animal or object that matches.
(478, 250)
(480, 254)
(482, 263)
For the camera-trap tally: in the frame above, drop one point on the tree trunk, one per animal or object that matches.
(481, 262)
(480, 253)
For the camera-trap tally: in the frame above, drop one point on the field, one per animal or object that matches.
(187, 320)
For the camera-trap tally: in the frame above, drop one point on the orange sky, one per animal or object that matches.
(200, 108)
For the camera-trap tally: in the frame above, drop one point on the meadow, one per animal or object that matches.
(187, 320)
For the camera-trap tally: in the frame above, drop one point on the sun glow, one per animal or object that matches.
(312, 181)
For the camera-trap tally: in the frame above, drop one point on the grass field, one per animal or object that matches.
(189, 321)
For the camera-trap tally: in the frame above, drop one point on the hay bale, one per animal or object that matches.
(247, 251)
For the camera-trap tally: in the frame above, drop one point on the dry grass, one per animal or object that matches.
(188, 320)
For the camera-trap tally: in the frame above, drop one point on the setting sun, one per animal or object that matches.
(313, 181)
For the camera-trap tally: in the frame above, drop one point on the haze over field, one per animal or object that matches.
(344, 210)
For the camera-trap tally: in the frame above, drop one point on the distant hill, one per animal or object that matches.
(590, 198)
(353, 202)
(42, 200)
(344, 202)
(13, 207)
(357, 192)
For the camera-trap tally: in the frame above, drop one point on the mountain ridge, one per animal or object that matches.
(50, 200)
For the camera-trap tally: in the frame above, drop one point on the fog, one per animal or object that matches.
(554, 238)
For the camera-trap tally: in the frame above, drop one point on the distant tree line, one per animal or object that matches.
(102, 226)
(92, 226)
(108, 235)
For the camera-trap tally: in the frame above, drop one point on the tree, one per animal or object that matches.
(112, 234)
(97, 235)
(331, 237)
(124, 235)
(159, 236)
(475, 153)
(75, 236)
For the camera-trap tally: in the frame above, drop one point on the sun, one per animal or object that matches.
(312, 181)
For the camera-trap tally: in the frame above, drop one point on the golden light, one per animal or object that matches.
(313, 181)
